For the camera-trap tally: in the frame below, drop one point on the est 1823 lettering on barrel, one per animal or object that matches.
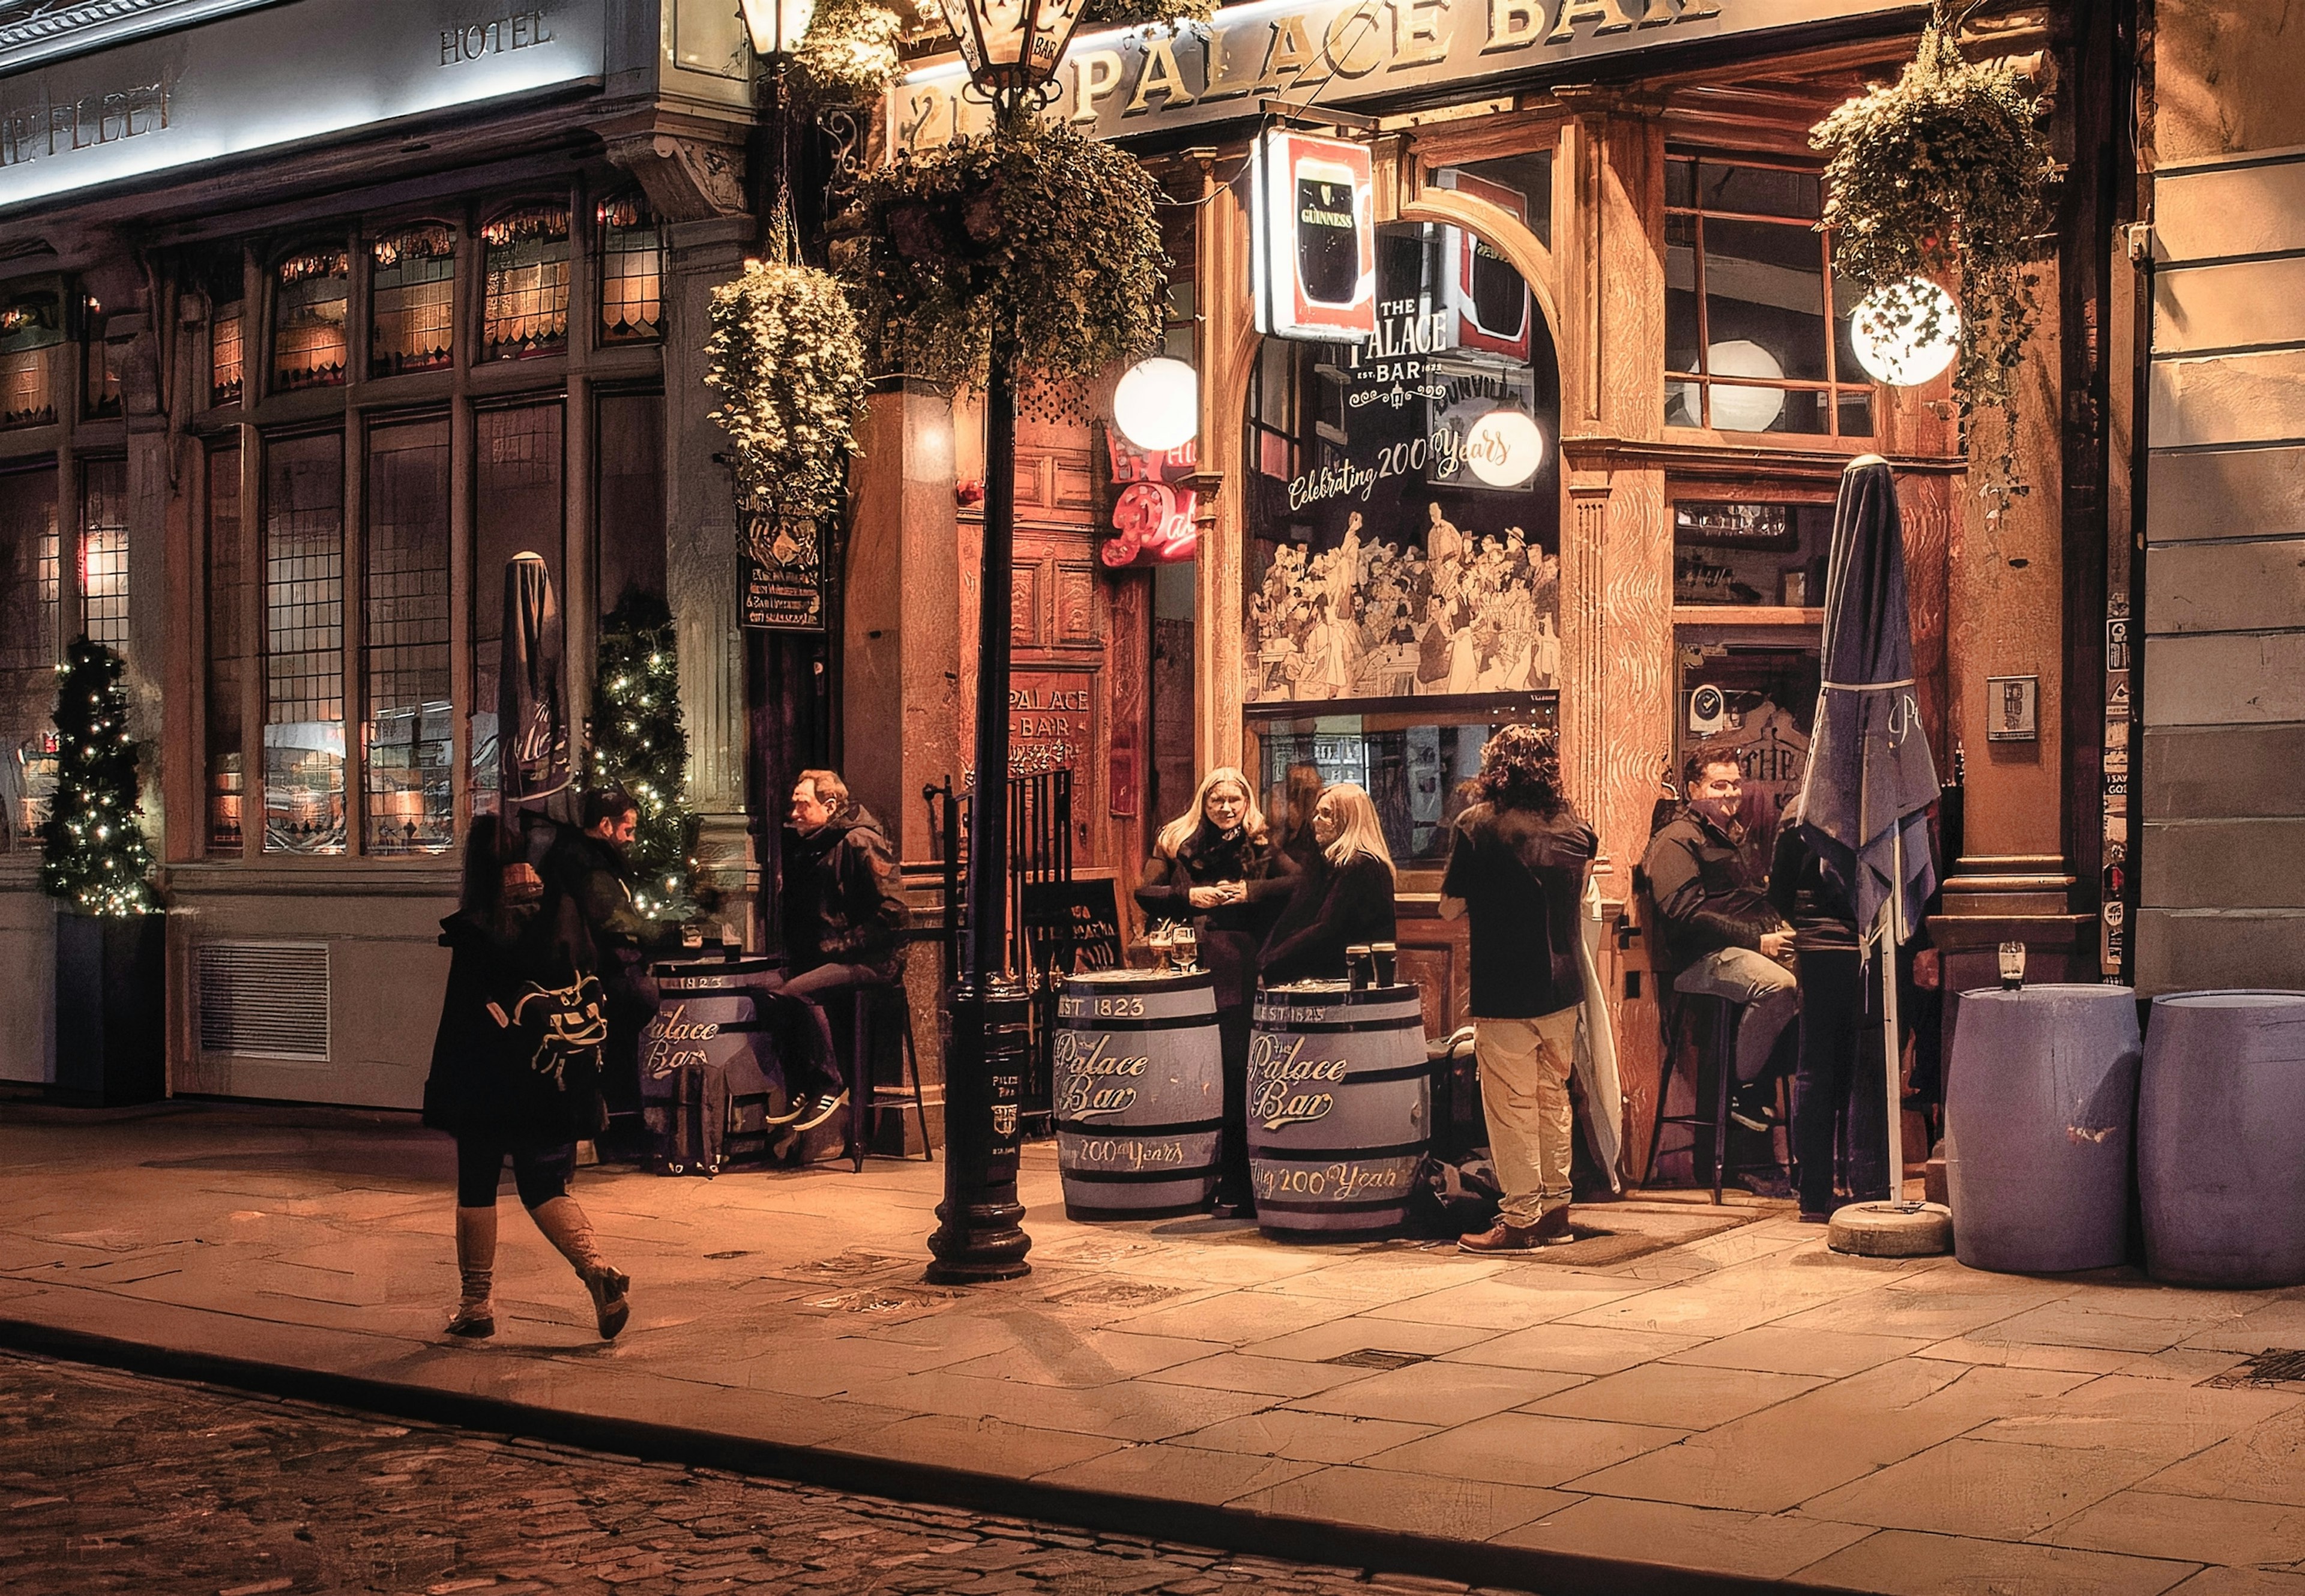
(1340, 1110)
(1139, 1089)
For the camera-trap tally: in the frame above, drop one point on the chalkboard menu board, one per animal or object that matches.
(1075, 924)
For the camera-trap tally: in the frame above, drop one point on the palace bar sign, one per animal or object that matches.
(1341, 53)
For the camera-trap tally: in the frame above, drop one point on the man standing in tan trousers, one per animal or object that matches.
(1517, 864)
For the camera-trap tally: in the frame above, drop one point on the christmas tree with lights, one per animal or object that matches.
(93, 850)
(640, 744)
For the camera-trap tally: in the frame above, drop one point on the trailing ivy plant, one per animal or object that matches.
(851, 51)
(786, 351)
(1940, 176)
(1145, 13)
(1031, 232)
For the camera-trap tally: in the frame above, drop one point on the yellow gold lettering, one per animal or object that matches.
(1096, 75)
(1418, 39)
(1514, 24)
(1159, 76)
(1291, 54)
(1216, 55)
(1355, 41)
(1614, 16)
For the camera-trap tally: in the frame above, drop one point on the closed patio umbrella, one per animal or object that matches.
(1870, 780)
(532, 717)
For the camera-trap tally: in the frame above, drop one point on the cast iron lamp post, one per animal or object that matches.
(1012, 47)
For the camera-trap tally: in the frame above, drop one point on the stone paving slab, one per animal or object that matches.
(1709, 1400)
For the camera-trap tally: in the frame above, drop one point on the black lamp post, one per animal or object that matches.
(1012, 47)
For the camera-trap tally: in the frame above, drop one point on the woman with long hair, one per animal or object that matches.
(1216, 866)
(1344, 896)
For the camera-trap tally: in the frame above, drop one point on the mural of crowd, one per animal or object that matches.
(1443, 611)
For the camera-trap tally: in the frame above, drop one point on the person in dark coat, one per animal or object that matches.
(516, 1063)
(1517, 867)
(1216, 866)
(843, 924)
(1718, 929)
(1841, 1076)
(1343, 896)
(621, 936)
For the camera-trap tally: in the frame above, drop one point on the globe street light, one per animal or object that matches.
(1012, 47)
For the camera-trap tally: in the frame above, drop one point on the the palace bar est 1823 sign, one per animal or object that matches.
(1341, 53)
(781, 567)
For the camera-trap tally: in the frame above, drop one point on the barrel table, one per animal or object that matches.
(2221, 1138)
(704, 1060)
(1340, 1110)
(1137, 1081)
(2040, 1103)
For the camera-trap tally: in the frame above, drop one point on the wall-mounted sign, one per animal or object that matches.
(1051, 721)
(1151, 508)
(782, 575)
(1312, 206)
(2011, 708)
(278, 75)
(1341, 53)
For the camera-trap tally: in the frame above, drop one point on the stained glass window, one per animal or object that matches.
(225, 368)
(104, 553)
(31, 331)
(631, 273)
(228, 651)
(308, 303)
(413, 320)
(410, 729)
(527, 277)
(304, 636)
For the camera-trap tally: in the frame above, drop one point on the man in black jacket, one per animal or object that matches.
(620, 935)
(1718, 928)
(841, 920)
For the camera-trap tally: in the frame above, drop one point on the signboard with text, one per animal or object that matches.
(1312, 218)
(782, 585)
(1342, 53)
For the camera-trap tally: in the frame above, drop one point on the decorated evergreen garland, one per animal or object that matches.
(93, 851)
(640, 744)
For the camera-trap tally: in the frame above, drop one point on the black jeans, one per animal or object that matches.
(1841, 1074)
(540, 1174)
(1233, 1025)
(821, 1062)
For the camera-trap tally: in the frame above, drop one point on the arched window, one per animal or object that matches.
(312, 292)
(527, 283)
(631, 273)
(412, 315)
(31, 330)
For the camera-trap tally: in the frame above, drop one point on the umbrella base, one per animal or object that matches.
(1892, 1230)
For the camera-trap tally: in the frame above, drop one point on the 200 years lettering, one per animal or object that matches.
(1341, 1182)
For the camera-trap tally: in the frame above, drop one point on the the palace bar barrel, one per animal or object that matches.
(1340, 1108)
(2220, 1162)
(704, 1047)
(1137, 1081)
(2040, 1105)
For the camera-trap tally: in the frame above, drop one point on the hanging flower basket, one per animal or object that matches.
(786, 350)
(1940, 176)
(1031, 231)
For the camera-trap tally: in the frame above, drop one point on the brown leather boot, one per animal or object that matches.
(565, 1226)
(1550, 1231)
(476, 1260)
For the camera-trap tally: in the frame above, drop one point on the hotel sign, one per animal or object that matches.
(1341, 53)
(279, 75)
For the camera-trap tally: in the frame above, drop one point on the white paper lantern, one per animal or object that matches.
(1158, 405)
(1745, 410)
(1897, 340)
(1504, 448)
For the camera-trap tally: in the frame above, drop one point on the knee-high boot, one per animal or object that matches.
(476, 1261)
(565, 1226)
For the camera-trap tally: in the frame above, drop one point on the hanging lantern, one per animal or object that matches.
(1012, 46)
(777, 26)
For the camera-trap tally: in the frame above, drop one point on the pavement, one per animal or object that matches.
(1686, 1399)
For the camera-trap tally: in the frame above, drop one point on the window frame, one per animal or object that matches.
(1834, 386)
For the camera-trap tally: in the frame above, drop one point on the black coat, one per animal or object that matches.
(1521, 875)
(1231, 934)
(1804, 894)
(1332, 907)
(839, 901)
(516, 1061)
(1705, 898)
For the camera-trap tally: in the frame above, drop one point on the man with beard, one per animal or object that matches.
(841, 919)
(1717, 926)
(620, 933)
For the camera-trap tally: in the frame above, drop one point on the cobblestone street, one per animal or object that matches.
(115, 1482)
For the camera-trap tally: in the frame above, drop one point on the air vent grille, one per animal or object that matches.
(265, 999)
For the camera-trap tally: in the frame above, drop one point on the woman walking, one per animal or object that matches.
(516, 1065)
(1344, 896)
(1215, 865)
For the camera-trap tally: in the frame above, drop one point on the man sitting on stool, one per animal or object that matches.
(841, 919)
(1717, 925)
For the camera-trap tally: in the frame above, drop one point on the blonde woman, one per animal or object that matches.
(1344, 897)
(1216, 865)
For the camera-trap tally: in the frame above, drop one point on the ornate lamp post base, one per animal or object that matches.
(979, 1236)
